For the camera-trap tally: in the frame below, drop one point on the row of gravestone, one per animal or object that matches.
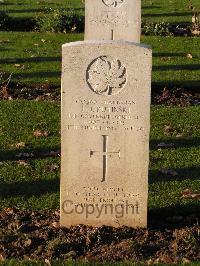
(106, 83)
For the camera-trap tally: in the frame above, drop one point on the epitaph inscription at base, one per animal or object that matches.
(113, 20)
(105, 133)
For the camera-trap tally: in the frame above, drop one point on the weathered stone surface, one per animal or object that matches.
(105, 133)
(113, 20)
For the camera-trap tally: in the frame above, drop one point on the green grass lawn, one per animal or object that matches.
(30, 8)
(35, 186)
(36, 58)
(167, 10)
(152, 10)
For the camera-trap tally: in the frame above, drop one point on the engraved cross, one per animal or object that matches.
(105, 153)
(112, 35)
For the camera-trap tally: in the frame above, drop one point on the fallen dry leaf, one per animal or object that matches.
(188, 194)
(189, 56)
(25, 155)
(4, 41)
(168, 129)
(179, 135)
(22, 162)
(9, 210)
(186, 261)
(47, 262)
(165, 145)
(57, 213)
(39, 133)
(17, 65)
(196, 32)
(150, 262)
(28, 242)
(53, 153)
(18, 145)
(73, 28)
(168, 172)
(52, 167)
(4, 94)
(56, 224)
(2, 257)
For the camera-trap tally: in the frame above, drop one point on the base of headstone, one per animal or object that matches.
(105, 133)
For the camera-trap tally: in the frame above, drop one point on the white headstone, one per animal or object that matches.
(105, 133)
(113, 20)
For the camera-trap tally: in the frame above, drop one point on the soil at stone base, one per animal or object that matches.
(38, 236)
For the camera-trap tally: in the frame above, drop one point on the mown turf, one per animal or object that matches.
(152, 10)
(36, 58)
(184, 158)
(33, 57)
(33, 186)
(168, 10)
(36, 186)
(30, 8)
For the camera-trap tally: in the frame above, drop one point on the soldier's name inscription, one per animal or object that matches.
(103, 115)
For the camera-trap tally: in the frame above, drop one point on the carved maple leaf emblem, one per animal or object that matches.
(106, 76)
(114, 3)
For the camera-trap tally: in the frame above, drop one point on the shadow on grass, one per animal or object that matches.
(191, 173)
(35, 10)
(150, 7)
(2, 49)
(188, 67)
(26, 10)
(21, 24)
(29, 188)
(37, 154)
(29, 60)
(193, 85)
(169, 14)
(167, 54)
(177, 142)
(7, 4)
(174, 217)
(42, 74)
